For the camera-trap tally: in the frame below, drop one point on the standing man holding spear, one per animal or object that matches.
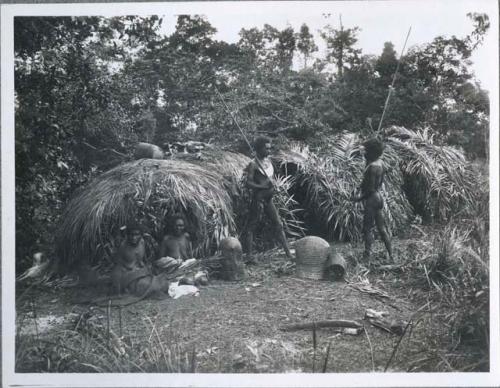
(260, 172)
(259, 179)
(371, 186)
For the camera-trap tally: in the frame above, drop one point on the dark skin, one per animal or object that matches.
(373, 205)
(130, 261)
(177, 245)
(132, 252)
(263, 190)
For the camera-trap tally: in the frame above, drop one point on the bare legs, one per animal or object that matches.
(374, 214)
(272, 213)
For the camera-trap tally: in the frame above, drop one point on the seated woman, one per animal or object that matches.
(131, 274)
(178, 243)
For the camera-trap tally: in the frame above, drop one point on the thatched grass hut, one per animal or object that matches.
(422, 178)
(209, 190)
(230, 165)
(148, 191)
(439, 181)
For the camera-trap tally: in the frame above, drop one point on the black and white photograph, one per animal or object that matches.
(275, 193)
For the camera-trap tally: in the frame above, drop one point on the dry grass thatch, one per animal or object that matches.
(147, 191)
(326, 184)
(209, 190)
(228, 164)
(438, 180)
(435, 182)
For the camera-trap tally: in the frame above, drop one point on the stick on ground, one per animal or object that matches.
(321, 324)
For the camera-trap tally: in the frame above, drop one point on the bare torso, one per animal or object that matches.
(372, 183)
(132, 257)
(178, 247)
(259, 176)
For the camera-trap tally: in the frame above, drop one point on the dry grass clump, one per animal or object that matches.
(455, 277)
(90, 346)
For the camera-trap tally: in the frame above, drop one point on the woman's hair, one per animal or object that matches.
(133, 226)
(260, 142)
(177, 216)
(374, 148)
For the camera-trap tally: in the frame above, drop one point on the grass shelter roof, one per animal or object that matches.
(146, 191)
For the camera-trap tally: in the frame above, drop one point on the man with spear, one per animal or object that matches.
(372, 197)
(259, 179)
(372, 181)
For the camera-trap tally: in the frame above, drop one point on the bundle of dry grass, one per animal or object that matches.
(147, 191)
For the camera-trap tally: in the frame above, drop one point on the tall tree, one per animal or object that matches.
(341, 46)
(305, 43)
(66, 108)
(387, 63)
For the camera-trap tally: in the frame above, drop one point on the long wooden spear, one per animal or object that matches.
(391, 87)
(243, 134)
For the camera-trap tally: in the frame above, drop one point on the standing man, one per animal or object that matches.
(260, 172)
(178, 244)
(372, 197)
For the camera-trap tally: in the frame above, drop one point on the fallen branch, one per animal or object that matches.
(371, 350)
(391, 326)
(380, 320)
(369, 289)
(321, 324)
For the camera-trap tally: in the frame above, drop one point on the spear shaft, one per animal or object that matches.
(391, 88)
(243, 134)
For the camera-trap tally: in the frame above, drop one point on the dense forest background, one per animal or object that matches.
(88, 88)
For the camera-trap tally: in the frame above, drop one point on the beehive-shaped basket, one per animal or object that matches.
(311, 253)
(232, 264)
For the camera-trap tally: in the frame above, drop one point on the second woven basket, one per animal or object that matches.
(311, 253)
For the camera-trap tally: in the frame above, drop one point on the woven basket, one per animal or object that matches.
(311, 253)
(232, 264)
(334, 266)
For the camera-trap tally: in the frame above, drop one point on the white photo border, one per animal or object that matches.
(11, 379)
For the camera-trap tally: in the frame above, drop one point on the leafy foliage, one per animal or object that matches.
(457, 277)
(88, 88)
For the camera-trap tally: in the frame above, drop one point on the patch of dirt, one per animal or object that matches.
(235, 326)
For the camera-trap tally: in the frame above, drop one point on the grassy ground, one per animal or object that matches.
(235, 327)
